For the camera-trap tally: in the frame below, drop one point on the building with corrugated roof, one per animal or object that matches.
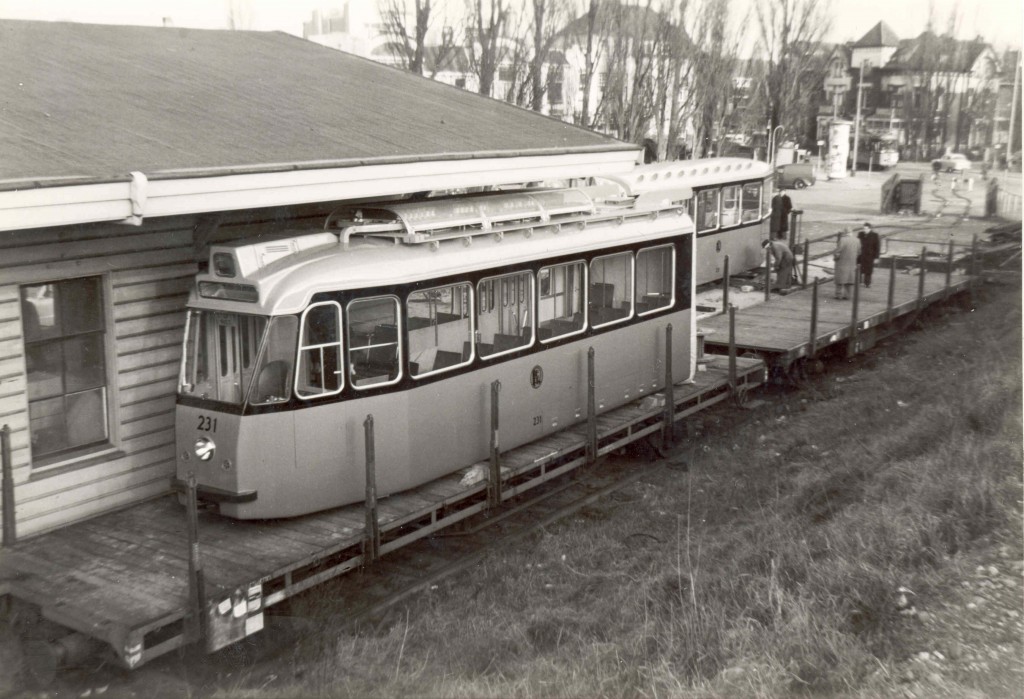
(127, 150)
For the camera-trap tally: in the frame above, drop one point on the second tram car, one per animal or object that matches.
(409, 311)
(730, 206)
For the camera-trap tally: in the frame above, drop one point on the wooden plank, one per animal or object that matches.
(108, 247)
(155, 339)
(134, 310)
(167, 354)
(141, 275)
(162, 287)
(146, 392)
(150, 324)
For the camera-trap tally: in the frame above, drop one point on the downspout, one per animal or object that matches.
(138, 190)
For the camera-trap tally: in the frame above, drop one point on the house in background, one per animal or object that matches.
(930, 94)
(127, 151)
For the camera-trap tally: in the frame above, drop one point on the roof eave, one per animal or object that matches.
(39, 204)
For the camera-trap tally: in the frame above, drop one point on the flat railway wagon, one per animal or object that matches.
(729, 202)
(397, 325)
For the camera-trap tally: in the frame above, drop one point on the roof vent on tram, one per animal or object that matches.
(243, 258)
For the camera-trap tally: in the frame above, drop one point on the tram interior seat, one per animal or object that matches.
(503, 343)
(443, 317)
(417, 322)
(272, 383)
(483, 349)
(446, 359)
(557, 327)
(602, 295)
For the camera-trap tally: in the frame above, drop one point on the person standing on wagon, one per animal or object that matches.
(845, 255)
(778, 224)
(870, 247)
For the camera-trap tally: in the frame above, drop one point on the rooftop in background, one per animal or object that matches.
(98, 102)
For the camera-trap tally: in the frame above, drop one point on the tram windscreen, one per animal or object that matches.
(221, 354)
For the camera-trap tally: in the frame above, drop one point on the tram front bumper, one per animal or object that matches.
(208, 493)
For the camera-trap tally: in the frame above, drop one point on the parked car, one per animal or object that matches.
(794, 175)
(951, 162)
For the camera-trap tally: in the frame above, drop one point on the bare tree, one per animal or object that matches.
(789, 38)
(485, 39)
(548, 19)
(408, 41)
(592, 31)
(239, 15)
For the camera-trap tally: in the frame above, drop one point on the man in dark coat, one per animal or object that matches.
(778, 224)
(870, 247)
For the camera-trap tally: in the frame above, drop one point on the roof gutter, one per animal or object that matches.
(182, 192)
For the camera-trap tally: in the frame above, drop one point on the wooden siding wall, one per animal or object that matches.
(148, 272)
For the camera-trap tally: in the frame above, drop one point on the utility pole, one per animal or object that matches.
(856, 119)
(1013, 109)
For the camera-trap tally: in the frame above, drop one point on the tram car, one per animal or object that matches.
(730, 205)
(408, 312)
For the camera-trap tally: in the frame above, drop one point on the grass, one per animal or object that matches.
(770, 568)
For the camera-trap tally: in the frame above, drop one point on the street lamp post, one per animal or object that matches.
(856, 119)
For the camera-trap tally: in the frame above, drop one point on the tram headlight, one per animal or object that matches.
(205, 448)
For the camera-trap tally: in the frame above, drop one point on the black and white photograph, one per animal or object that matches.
(566, 349)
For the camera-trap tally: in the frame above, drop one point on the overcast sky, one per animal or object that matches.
(997, 21)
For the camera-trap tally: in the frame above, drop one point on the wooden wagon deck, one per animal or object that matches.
(123, 578)
(780, 330)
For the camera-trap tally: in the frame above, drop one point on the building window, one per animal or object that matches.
(65, 358)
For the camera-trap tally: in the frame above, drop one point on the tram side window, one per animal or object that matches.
(751, 201)
(707, 210)
(560, 310)
(374, 354)
(655, 268)
(320, 372)
(274, 374)
(611, 289)
(730, 205)
(766, 200)
(440, 324)
(503, 317)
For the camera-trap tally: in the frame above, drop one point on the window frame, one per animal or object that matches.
(700, 207)
(42, 466)
(632, 288)
(300, 348)
(584, 300)
(672, 280)
(471, 315)
(531, 302)
(399, 353)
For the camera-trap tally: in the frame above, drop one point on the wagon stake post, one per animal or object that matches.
(725, 283)
(851, 346)
(920, 280)
(813, 348)
(732, 350)
(591, 409)
(371, 535)
(670, 398)
(7, 487)
(892, 289)
(494, 485)
(196, 582)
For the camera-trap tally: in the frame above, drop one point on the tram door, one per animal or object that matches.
(233, 347)
(226, 358)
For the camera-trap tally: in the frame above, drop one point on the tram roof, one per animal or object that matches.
(126, 122)
(288, 285)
